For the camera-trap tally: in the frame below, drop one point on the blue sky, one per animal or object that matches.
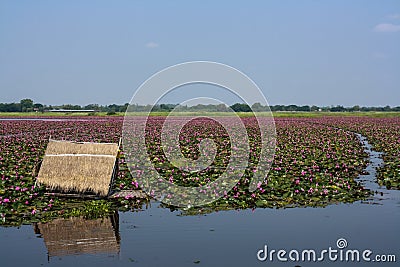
(298, 52)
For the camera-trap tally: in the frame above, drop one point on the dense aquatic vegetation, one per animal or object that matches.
(23, 144)
(314, 164)
(384, 135)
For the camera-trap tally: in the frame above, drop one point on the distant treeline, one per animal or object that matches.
(27, 105)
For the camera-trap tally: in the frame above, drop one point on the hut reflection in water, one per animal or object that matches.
(74, 236)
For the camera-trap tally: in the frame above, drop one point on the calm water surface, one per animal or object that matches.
(158, 237)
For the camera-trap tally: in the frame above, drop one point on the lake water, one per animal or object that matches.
(156, 236)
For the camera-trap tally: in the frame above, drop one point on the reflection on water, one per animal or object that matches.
(369, 180)
(156, 236)
(80, 236)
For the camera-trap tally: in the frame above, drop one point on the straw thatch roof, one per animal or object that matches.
(80, 236)
(78, 167)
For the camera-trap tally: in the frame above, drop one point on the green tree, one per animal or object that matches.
(38, 107)
(292, 108)
(26, 105)
(241, 107)
(257, 107)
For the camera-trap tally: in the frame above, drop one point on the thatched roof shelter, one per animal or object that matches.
(77, 235)
(79, 167)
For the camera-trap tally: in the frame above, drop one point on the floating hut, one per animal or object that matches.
(79, 169)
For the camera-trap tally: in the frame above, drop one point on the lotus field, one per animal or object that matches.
(316, 163)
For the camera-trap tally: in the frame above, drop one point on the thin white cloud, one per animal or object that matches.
(386, 27)
(393, 16)
(152, 45)
(379, 55)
